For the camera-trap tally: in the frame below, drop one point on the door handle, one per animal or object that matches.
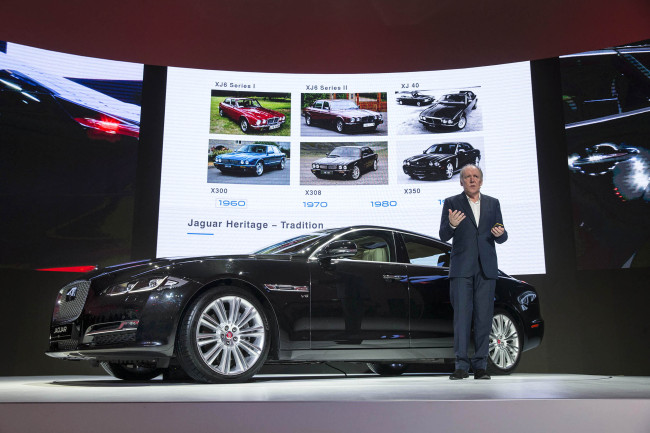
(395, 277)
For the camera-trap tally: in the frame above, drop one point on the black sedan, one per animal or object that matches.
(601, 158)
(441, 160)
(450, 111)
(346, 161)
(360, 294)
(414, 98)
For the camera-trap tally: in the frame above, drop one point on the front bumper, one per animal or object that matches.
(238, 167)
(437, 122)
(266, 126)
(331, 172)
(427, 171)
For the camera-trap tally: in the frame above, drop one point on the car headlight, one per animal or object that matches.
(430, 163)
(143, 285)
(437, 164)
(407, 162)
(421, 117)
(345, 167)
(218, 160)
(264, 121)
(314, 166)
(258, 122)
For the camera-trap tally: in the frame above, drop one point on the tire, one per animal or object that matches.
(221, 112)
(477, 160)
(388, 369)
(281, 165)
(130, 371)
(475, 105)
(506, 343)
(449, 170)
(356, 173)
(259, 168)
(339, 125)
(375, 165)
(308, 121)
(243, 124)
(224, 336)
(462, 122)
(400, 102)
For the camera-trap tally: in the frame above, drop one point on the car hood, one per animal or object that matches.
(336, 160)
(442, 110)
(261, 113)
(242, 156)
(428, 157)
(141, 267)
(354, 113)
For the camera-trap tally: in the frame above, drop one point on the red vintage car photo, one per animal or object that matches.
(343, 115)
(250, 115)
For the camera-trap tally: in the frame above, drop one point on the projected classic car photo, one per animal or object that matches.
(341, 114)
(414, 98)
(250, 115)
(450, 111)
(251, 158)
(347, 162)
(441, 160)
(360, 294)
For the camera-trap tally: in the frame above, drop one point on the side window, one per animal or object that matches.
(424, 252)
(318, 104)
(326, 105)
(227, 102)
(372, 245)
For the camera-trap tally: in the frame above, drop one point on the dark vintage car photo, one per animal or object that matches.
(249, 114)
(450, 111)
(251, 158)
(601, 158)
(347, 162)
(414, 98)
(441, 160)
(341, 114)
(359, 294)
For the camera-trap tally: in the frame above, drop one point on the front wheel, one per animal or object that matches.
(462, 122)
(388, 369)
(221, 112)
(282, 164)
(449, 170)
(356, 172)
(224, 336)
(375, 165)
(243, 124)
(506, 343)
(259, 168)
(308, 120)
(131, 371)
(340, 126)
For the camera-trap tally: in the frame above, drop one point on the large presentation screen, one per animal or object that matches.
(250, 159)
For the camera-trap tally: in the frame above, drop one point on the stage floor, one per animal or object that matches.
(329, 403)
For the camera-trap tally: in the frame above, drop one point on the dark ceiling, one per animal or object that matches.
(346, 36)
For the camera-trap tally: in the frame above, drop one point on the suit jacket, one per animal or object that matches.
(473, 246)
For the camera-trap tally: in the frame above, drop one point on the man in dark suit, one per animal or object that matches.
(474, 221)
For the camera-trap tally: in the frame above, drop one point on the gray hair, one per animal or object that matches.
(462, 170)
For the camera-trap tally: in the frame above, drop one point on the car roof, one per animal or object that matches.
(372, 227)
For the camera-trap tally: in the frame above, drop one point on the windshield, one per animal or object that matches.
(251, 148)
(447, 148)
(248, 103)
(452, 99)
(345, 151)
(295, 246)
(343, 104)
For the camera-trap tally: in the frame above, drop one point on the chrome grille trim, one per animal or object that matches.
(71, 299)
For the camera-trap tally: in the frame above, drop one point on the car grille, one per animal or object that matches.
(65, 344)
(114, 338)
(230, 161)
(329, 166)
(70, 307)
(273, 120)
(433, 120)
(367, 119)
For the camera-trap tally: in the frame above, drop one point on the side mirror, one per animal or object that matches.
(339, 250)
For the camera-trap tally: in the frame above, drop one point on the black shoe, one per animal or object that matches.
(481, 374)
(458, 375)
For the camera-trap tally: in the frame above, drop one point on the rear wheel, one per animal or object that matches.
(224, 336)
(131, 371)
(388, 369)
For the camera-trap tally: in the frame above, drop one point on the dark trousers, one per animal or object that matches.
(472, 298)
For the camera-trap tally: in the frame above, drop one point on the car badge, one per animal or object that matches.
(71, 294)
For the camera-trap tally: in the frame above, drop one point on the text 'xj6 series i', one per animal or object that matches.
(359, 294)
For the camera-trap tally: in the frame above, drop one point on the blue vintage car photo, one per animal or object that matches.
(253, 158)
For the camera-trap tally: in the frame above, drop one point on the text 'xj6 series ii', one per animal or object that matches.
(359, 294)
